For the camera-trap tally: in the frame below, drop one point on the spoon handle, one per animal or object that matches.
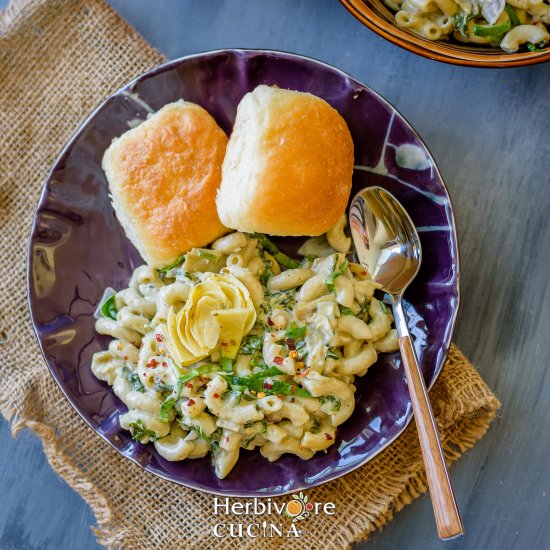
(447, 516)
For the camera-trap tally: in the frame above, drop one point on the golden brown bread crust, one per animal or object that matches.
(290, 163)
(163, 176)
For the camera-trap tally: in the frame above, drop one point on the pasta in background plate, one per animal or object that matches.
(267, 349)
(508, 24)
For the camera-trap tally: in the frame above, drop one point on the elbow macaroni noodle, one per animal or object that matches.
(264, 357)
(520, 22)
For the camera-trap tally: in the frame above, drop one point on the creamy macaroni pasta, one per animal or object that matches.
(494, 22)
(237, 346)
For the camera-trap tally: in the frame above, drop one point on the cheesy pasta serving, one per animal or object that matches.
(508, 24)
(238, 346)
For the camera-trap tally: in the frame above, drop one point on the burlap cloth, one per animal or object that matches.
(59, 59)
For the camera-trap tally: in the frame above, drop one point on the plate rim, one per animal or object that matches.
(153, 71)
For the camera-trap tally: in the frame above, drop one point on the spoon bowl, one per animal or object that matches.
(387, 244)
(385, 239)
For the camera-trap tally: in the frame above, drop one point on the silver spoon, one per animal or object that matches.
(387, 244)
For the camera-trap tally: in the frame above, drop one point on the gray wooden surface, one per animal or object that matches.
(488, 131)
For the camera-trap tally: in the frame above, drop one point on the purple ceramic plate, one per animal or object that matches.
(77, 249)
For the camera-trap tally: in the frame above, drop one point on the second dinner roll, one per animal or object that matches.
(288, 166)
(163, 177)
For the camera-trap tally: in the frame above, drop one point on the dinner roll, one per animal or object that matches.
(163, 177)
(288, 165)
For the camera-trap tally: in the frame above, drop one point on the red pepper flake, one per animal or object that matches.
(153, 363)
(227, 439)
(189, 385)
(125, 358)
(190, 403)
(267, 385)
(164, 364)
(224, 344)
(216, 395)
(364, 273)
(270, 322)
(159, 338)
(292, 399)
(278, 360)
(293, 391)
(290, 344)
(329, 437)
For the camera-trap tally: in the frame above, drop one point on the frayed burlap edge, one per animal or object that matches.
(82, 52)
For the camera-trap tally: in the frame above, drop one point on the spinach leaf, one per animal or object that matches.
(295, 332)
(251, 344)
(461, 21)
(345, 310)
(336, 273)
(169, 402)
(134, 379)
(139, 431)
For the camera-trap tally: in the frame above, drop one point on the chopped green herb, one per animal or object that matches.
(169, 402)
(203, 369)
(331, 354)
(535, 48)
(331, 401)
(512, 15)
(461, 21)
(179, 261)
(251, 344)
(301, 348)
(316, 427)
(363, 311)
(279, 256)
(267, 273)
(494, 32)
(163, 388)
(215, 439)
(226, 364)
(284, 298)
(166, 408)
(345, 310)
(134, 379)
(248, 441)
(259, 427)
(208, 255)
(336, 273)
(295, 332)
(257, 382)
(201, 434)
(258, 361)
(108, 309)
(139, 431)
